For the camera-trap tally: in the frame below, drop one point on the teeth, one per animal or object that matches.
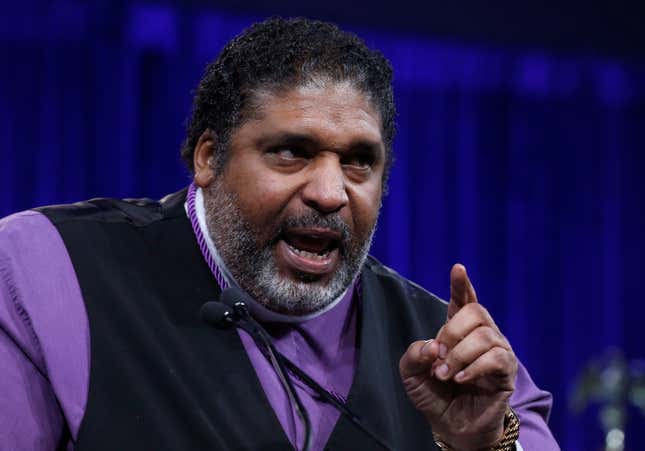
(307, 254)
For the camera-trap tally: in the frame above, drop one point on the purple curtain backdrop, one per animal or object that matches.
(526, 167)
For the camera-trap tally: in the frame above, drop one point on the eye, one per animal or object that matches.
(287, 157)
(360, 161)
(288, 153)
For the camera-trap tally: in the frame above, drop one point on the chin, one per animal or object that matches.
(300, 296)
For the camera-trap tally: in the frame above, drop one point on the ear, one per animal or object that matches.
(203, 159)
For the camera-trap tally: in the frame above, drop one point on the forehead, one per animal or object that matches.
(333, 113)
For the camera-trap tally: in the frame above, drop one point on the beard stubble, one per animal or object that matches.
(249, 255)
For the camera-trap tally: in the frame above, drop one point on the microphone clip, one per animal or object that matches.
(241, 310)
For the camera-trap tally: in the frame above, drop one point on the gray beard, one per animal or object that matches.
(251, 258)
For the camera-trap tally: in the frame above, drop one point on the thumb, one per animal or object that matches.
(461, 290)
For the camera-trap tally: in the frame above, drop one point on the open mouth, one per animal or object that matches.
(312, 251)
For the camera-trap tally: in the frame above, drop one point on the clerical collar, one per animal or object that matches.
(196, 212)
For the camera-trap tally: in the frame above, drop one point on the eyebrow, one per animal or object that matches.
(309, 141)
(286, 138)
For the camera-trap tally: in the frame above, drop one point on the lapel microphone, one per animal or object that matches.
(232, 311)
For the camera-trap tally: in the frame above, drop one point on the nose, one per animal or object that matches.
(325, 188)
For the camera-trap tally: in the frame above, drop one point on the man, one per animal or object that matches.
(289, 144)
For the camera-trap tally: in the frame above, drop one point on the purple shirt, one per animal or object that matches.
(45, 351)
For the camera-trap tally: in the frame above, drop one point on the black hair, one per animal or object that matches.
(276, 55)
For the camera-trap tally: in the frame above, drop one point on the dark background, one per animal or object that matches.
(520, 153)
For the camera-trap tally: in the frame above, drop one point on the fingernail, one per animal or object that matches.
(443, 350)
(460, 376)
(425, 349)
(442, 371)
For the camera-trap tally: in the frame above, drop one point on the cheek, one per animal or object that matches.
(365, 208)
(262, 197)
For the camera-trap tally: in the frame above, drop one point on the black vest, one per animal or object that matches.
(161, 379)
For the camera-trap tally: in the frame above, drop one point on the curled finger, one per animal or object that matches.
(494, 370)
(475, 344)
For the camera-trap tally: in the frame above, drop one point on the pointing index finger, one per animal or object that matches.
(461, 290)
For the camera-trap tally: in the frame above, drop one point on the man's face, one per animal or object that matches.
(294, 208)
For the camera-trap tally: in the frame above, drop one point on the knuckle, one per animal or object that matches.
(489, 336)
(512, 361)
(499, 359)
(449, 333)
(499, 353)
(456, 359)
(471, 308)
(478, 314)
(477, 309)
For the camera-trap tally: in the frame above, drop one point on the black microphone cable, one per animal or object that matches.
(240, 317)
(220, 314)
(331, 399)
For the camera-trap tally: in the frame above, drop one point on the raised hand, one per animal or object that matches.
(462, 379)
